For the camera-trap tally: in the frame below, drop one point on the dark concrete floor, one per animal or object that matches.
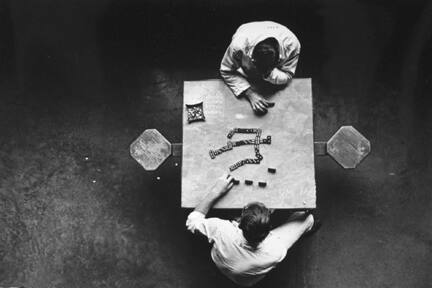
(80, 80)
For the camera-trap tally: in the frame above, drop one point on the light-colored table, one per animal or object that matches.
(291, 152)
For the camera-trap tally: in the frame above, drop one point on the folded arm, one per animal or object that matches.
(282, 74)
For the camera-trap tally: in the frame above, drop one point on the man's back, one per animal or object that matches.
(231, 251)
(232, 254)
(255, 32)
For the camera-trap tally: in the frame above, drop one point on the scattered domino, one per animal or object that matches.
(271, 170)
(236, 182)
(262, 184)
(248, 182)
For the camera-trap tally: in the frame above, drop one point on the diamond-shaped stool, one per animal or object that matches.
(347, 147)
(150, 149)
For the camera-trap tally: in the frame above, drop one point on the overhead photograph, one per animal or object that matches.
(211, 143)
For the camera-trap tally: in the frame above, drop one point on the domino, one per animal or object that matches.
(230, 134)
(246, 130)
(271, 170)
(212, 155)
(262, 184)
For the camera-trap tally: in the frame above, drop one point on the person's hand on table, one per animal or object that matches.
(223, 185)
(258, 103)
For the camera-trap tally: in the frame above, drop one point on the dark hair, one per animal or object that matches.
(255, 223)
(266, 54)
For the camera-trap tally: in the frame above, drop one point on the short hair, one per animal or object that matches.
(255, 223)
(266, 53)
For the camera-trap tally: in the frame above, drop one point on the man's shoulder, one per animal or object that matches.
(227, 224)
(239, 42)
(198, 217)
(228, 229)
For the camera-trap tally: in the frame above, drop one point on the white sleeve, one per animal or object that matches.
(209, 227)
(228, 70)
(285, 71)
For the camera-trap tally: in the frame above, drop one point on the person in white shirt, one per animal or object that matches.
(260, 52)
(246, 250)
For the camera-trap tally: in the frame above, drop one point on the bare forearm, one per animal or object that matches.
(221, 187)
(207, 203)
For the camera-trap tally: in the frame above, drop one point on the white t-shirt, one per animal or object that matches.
(231, 253)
